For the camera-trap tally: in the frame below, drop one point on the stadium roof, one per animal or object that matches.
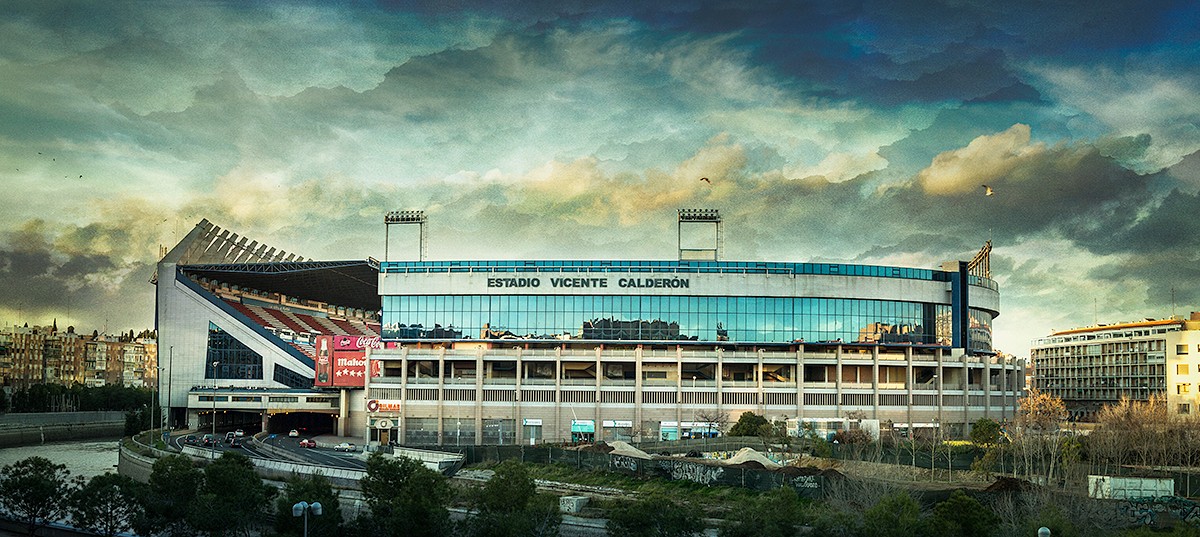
(352, 284)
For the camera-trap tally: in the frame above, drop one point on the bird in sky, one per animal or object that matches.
(987, 190)
(705, 179)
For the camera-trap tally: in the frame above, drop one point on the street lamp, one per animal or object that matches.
(214, 410)
(303, 508)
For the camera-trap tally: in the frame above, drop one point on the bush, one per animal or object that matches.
(655, 516)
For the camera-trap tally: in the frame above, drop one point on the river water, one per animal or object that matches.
(88, 458)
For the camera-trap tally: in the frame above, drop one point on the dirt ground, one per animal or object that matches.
(900, 475)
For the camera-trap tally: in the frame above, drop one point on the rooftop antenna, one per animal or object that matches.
(705, 217)
(405, 217)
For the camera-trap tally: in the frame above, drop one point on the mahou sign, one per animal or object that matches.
(341, 360)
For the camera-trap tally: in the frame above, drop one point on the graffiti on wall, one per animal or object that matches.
(696, 473)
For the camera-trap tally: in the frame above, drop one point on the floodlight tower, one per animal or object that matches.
(700, 216)
(405, 217)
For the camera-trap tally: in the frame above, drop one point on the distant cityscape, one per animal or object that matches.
(31, 355)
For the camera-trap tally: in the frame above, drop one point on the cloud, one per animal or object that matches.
(986, 159)
(1132, 101)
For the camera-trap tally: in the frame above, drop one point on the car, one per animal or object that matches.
(191, 439)
(229, 436)
(308, 443)
(239, 432)
(238, 441)
(345, 446)
(208, 440)
(293, 433)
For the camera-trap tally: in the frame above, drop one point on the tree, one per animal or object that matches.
(963, 515)
(311, 488)
(772, 514)
(985, 435)
(896, 515)
(174, 484)
(749, 424)
(405, 497)
(655, 516)
(108, 504)
(136, 421)
(716, 420)
(985, 432)
(34, 490)
(509, 505)
(233, 498)
(1037, 439)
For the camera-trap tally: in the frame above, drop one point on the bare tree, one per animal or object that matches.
(1038, 431)
(714, 419)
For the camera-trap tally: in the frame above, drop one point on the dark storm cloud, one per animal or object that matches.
(1171, 226)
(42, 280)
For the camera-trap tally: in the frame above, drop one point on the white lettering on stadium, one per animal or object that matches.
(514, 282)
(592, 283)
(578, 282)
(673, 283)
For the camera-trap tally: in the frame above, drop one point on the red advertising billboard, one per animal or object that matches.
(341, 360)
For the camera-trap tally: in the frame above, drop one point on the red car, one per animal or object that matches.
(308, 443)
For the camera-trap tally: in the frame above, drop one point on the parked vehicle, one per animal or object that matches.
(345, 446)
(308, 443)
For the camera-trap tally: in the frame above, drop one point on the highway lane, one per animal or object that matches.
(320, 456)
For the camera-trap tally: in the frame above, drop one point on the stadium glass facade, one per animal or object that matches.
(670, 301)
(666, 318)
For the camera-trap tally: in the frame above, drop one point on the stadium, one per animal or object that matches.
(502, 352)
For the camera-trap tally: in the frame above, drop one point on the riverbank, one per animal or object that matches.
(86, 458)
(41, 428)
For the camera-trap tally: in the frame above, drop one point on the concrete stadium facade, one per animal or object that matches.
(502, 352)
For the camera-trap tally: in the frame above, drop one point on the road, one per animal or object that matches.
(321, 456)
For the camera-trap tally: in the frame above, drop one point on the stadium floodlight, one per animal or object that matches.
(705, 217)
(404, 217)
(699, 215)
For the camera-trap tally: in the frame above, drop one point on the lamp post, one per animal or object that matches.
(303, 508)
(214, 410)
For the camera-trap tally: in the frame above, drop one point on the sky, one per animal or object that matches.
(848, 131)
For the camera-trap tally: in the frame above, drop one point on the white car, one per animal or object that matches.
(345, 446)
(293, 433)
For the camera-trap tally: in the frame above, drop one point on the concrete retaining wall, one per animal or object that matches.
(139, 467)
(40, 434)
(136, 466)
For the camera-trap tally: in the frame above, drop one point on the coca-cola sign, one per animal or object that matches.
(360, 342)
(341, 360)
